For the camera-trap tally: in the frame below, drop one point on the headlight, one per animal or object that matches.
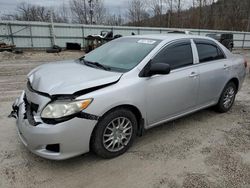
(59, 109)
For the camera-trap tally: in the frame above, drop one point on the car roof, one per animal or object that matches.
(169, 37)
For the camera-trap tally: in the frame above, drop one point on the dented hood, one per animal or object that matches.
(68, 77)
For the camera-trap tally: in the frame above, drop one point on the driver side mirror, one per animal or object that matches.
(156, 68)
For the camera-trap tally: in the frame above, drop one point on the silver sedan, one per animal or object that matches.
(103, 100)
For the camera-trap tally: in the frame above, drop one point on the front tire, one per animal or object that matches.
(227, 98)
(114, 133)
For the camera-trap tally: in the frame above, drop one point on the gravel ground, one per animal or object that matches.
(205, 149)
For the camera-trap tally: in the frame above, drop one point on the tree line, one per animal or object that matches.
(199, 14)
(203, 14)
(77, 11)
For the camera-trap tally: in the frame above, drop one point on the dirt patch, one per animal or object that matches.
(166, 182)
(230, 166)
(238, 139)
(227, 159)
(167, 151)
(195, 180)
(41, 56)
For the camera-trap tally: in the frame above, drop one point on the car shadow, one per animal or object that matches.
(165, 129)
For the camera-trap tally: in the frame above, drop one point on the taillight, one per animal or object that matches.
(245, 63)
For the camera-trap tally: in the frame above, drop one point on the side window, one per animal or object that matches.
(176, 55)
(209, 52)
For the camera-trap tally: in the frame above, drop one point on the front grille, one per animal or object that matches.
(30, 108)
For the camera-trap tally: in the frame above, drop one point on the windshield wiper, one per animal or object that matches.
(96, 64)
(100, 65)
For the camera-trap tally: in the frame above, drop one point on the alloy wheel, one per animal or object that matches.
(229, 97)
(117, 134)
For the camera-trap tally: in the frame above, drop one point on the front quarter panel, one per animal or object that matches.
(128, 91)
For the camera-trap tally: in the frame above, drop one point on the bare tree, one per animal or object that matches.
(203, 14)
(179, 8)
(210, 14)
(113, 19)
(99, 12)
(62, 14)
(170, 11)
(82, 11)
(28, 12)
(137, 12)
(174, 7)
(248, 16)
(157, 7)
(79, 11)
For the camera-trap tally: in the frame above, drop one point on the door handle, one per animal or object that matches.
(193, 75)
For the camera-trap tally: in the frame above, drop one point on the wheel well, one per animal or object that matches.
(236, 82)
(135, 111)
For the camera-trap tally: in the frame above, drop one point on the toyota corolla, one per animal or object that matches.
(103, 100)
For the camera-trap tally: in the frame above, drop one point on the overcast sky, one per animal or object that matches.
(7, 6)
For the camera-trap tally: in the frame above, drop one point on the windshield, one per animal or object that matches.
(122, 54)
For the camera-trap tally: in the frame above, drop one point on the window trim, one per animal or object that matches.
(208, 42)
(177, 43)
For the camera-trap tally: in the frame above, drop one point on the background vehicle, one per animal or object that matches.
(180, 32)
(227, 39)
(94, 41)
(103, 100)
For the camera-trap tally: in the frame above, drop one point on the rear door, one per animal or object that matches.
(175, 93)
(214, 71)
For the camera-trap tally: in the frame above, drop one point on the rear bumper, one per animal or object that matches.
(73, 136)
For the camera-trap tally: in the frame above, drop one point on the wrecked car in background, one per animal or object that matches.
(94, 41)
(103, 100)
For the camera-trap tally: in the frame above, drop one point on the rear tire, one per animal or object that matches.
(227, 98)
(114, 133)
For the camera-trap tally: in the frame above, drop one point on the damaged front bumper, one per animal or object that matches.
(57, 142)
(15, 107)
(14, 112)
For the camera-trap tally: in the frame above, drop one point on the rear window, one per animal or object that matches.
(209, 52)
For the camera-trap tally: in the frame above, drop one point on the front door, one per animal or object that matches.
(175, 93)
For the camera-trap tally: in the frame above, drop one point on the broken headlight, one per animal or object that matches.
(59, 109)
